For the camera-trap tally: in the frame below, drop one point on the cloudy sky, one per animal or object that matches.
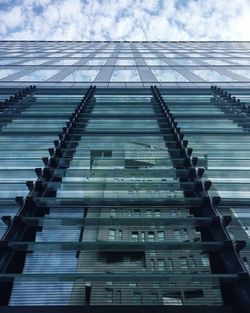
(125, 19)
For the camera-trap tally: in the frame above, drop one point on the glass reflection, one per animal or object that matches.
(149, 55)
(80, 55)
(126, 55)
(7, 61)
(210, 75)
(35, 62)
(96, 62)
(155, 62)
(168, 76)
(125, 76)
(81, 75)
(66, 62)
(39, 75)
(244, 73)
(185, 61)
(56, 55)
(5, 73)
(241, 61)
(125, 62)
(215, 62)
(105, 55)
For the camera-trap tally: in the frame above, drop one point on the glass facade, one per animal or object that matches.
(124, 176)
(120, 64)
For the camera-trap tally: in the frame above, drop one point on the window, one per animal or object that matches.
(160, 235)
(173, 298)
(120, 234)
(137, 212)
(81, 75)
(205, 260)
(148, 213)
(8, 61)
(39, 75)
(136, 258)
(135, 235)
(210, 75)
(192, 261)
(125, 76)
(113, 212)
(183, 262)
(109, 295)
(125, 62)
(96, 62)
(155, 62)
(245, 261)
(112, 234)
(152, 264)
(118, 296)
(155, 298)
(98, 154)
(185, 234)
(151, 236)
(164, 75)
(231, 235)
(114, 257)
(177, 234)
(35, 62)
(169, 264)
(197, 293)
(157, 213)
(137, 298)
(143, 236)
(66, 62)
(161, 265)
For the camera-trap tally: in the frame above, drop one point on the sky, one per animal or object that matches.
(125, 20)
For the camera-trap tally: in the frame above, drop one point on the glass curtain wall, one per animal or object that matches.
(114, 233)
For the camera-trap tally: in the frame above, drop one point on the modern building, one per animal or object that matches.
(124, 177)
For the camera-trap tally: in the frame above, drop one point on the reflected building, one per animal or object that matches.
(124, 176)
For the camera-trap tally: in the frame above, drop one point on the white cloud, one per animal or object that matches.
(125, 20)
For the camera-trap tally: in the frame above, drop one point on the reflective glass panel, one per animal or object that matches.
(7, 61)
(125, 62)
(244, 73)
(210, 75)
(96, 62)
(35, 62)
(125, 76)
(39, 75)
(155, 62)
(66, 62)
(81, 75)
(168, 75)
(7, 72)
(185, 61)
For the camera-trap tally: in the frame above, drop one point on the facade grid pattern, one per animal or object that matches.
(124, 176)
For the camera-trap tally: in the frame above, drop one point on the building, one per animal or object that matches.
(124, 176)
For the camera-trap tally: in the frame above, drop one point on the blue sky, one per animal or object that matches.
(125, 20)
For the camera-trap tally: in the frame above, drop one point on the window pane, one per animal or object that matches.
(245, 73)
(35, 62)
(81, 75)
(8, 61)
(125, 62)
(168, 75)
(96, 62)
(125, 76)
(210, 75)
(155, 62)
(5, 73)
(39, 75)
(66, 62)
